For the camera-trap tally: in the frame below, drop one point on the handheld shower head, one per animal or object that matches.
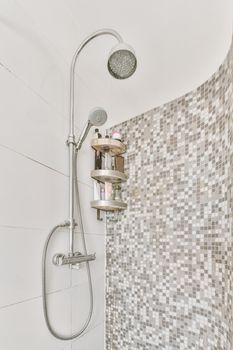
(122, 61)
(97, 117)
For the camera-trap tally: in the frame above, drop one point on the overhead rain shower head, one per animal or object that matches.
(122, 61)
(97, 117)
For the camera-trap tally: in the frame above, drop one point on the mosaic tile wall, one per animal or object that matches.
(169, 279)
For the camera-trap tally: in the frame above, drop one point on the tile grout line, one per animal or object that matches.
(87, 331)
(42, 164)
(33, 298)
(47, 229)
(70, 287)
(32, 159)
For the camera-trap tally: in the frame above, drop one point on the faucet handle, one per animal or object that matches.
(58, 259)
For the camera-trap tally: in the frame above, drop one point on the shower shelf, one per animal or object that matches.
(114, 147)
(108, 205)
(112, 176)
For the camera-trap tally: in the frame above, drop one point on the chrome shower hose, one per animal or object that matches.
(44, 261)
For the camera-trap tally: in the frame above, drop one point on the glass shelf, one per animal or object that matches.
(108, 205)
(112, 176)
(114, 147)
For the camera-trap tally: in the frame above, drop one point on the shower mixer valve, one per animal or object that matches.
(73, 260)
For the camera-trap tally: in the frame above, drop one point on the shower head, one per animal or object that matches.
(97, 117)
(122, 61)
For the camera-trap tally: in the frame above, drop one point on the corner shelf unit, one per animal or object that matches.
(115, 148)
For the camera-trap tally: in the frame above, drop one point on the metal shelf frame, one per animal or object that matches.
(112, 176)
(114, 147)
(108, 205)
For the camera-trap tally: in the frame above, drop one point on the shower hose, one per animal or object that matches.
(44, 261)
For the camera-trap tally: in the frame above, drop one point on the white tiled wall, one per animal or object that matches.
(34, 80)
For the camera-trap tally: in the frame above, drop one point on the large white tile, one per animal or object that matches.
(59, 311)
(92, 340)
(63, 26)
(95, 244)
(23, 326)
(30, 126)
(81, 302)
(20, 264)
(29, 55)
(31, 195)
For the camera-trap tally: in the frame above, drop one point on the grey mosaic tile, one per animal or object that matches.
(169, 278)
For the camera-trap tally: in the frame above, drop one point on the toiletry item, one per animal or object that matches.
(98, 160)
(116, 135)
(113, 163)
(108, 191)
(97, 134)
(119, 163)
(106, 161)
(107, 136)
(103, 161)
(102, 191)
(96, 190)
(98, 154)
(117, 192)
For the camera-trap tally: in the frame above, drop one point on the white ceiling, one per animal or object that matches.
(179, 44)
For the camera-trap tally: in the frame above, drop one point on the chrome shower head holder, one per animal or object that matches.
(97, 117)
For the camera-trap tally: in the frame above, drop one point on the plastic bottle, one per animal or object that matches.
(116, 135)
(117, 192)
(98, 154)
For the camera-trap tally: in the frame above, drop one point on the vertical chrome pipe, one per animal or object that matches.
(71, 196)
